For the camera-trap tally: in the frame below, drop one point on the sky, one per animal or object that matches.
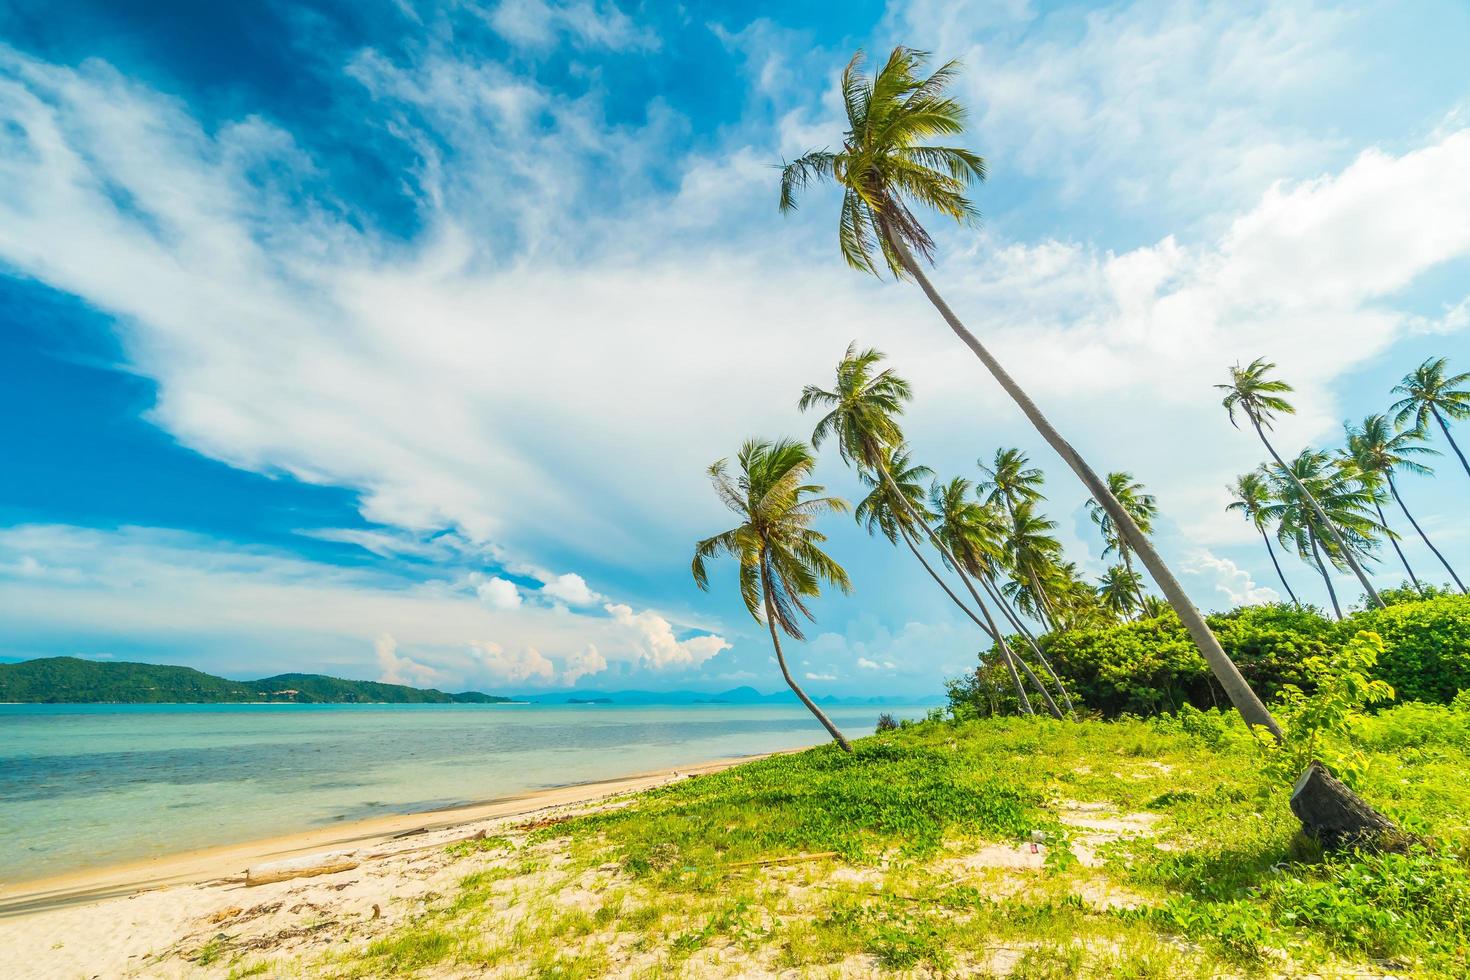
(392, 340)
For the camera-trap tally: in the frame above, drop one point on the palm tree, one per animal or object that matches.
(973, 539)
(1034, 554)
(1312, 491)
(1138, 504)
(883, 167)
(1378, 451)
(1119, 591)
(781, 561)
(1429, 394)
(1252, 498)
(1260, 398)
(863, 410)
(1010, 481)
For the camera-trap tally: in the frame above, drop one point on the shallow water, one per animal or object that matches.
(91, 785)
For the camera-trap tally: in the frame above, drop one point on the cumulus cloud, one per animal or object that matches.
(395, 668)
(499, 593)
(820, 677)
(583, 664)
(1228, 580)
(522, 665)
(866, 664)
(570, 588)
(659, 648)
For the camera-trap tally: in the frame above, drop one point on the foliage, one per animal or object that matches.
(64, 680)
(1318, 726)
(1426, 646)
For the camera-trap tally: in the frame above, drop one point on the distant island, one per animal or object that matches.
(70, 680)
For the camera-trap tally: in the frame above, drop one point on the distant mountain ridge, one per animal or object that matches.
(736, 695)
(71, 680)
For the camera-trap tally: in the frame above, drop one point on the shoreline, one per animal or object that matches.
(226, 864)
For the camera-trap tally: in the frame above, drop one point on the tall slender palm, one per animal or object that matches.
(781, 562)
(1261, 398)
(968, 533)
(863, 409)
(1034, 554)
(884, 166)
(1138, 504)
(1428, 394)
(1252, 498)
(1379, 452)
(1010, 480)
(1312, 491)
(1119, 591)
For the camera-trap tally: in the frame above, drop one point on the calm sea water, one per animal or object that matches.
(90, 785)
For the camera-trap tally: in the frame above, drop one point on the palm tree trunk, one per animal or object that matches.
(1453, 445)
(992, 590)
(1347, 553)
(1279, 574)
(1395, 491)
(1043, 607)
(1137, 583)
(1317, 554)
(1241, 696)
(811, 705)
(1004, 650)
(1393, 539)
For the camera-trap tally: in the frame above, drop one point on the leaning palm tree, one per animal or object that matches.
(1033, 555)
(1261, 399)
(1312, 491)
(863, 409)
(781, 562)
(1119, 591)
(883, 168)
(1378, 452)
(968, 533)
(1428, 394)
(1138, 504)
(1252, 498)
(1010, 481)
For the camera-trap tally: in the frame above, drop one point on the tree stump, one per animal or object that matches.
(1336, 817)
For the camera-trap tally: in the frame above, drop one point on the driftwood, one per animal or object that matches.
(301, 867)
(1336, 817)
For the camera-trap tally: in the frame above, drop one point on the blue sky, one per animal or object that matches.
(392, 340)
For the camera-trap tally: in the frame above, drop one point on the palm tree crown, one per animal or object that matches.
(878, 511)
(1252, 497)
(1010, 480)
(1259, 396)
(1140, 505)
(1377, 450)
(1427, 391)
(862, 408)
(781, 562)
(884, 165)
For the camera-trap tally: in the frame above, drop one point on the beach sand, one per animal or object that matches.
(144, 918)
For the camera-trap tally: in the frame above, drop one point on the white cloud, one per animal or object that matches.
(820, 677)
(519, 666)
(395, 668)
(499, 593)
(583, 664)
(571, 589)
(866, 664)
(1228, 580)
(538, 23)
(655, 636)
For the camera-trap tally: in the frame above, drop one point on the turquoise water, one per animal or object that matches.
(91, 785)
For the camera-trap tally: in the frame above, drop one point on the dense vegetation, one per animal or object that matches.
(1167, 850)
(1148, 665)
(61, 680)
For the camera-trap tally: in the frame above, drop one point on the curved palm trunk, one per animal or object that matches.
(1424, 537)
(1005, 652)
(1321, 567)
(1240, 693)
(1453, 445)
(811, 705)
(1279, 574)
(992, 590)
(1137, 584)
(1043, 606)
(1394, 540)
(1347, 553)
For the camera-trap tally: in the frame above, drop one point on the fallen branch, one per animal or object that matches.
(302, 867)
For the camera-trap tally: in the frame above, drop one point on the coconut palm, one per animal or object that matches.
(1252, 495)
(1428, 394)
(1139, 505)
(974, 540)
(1378, 451)
(1119, 591)
(1010, 481)
(781, 562)
(1033, 554)
(1315, 490)
(883, 168)
(863, 409)
(1261, 399)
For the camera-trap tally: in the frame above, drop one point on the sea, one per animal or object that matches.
(86, 786)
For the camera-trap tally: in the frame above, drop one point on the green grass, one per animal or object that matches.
(665, 886)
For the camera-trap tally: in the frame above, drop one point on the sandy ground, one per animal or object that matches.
(144, 918)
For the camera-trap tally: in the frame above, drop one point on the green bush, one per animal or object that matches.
(1151, 665)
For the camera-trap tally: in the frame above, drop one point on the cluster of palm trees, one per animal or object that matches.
(1328, 507)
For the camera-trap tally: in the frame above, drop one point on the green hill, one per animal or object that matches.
(58, 680)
